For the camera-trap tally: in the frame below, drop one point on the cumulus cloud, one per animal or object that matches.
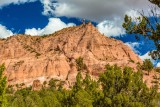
(48, 7)
(7, 2)
(146, 56)
(111, 27)
(158, 64)
(95, 10)
(108, 13)
(114, 27)
(133, 46)
(54, 24)
(133, 14)
(34, 31)
(4, 32)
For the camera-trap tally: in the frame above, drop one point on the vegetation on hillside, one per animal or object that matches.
(3, 100)
(116, 87)
(147, 65)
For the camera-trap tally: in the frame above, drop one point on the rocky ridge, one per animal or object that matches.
(28, 58)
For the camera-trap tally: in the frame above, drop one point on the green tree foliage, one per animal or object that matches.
(147, 65)
(116, 87)
(78, 83)
(146, 27)
(3, 100)
(52, 84)
(156, 2)
(80, 64)
(125, 88)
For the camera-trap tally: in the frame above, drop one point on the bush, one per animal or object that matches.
(147, 65)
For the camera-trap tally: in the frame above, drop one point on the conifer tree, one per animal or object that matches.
(3, 100)
(147, 26)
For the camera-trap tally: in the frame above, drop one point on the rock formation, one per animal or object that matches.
(28, 58)
(36, 85)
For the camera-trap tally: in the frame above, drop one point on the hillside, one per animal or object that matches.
(28, 58)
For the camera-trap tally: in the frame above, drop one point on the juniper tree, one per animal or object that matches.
(147, 26)
(3, 100)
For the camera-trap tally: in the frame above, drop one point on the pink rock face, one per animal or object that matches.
(28, 58)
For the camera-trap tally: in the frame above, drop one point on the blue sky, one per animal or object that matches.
(39, 17)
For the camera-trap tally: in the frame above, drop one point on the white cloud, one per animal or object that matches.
(54, 24)
(111, 27)
(133, 14)
(108, 13)
(146, 56)
(4, 32)
(95, 10)
(133, 45)
(7, 2)
(33, 31)
(158, 64)
(48, 7)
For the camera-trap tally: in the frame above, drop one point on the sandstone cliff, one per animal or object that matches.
(28, 58)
